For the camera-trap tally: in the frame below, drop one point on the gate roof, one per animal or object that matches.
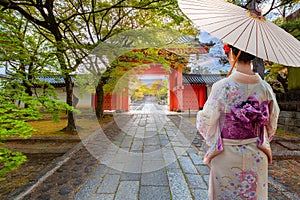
(208, 79)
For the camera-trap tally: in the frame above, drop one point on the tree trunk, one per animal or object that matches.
(259, 67)
(100, 100)
(27, 79)
(284, 82)
(28, 91)
(71, 127)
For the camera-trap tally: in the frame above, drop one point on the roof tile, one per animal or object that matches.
(202, 78)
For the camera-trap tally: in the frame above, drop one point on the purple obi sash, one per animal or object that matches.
(246, 120)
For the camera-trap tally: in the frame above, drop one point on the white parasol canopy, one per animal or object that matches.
(243, 29)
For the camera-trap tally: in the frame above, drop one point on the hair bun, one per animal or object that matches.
(244, 57)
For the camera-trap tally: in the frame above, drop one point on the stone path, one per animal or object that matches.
(150, 159)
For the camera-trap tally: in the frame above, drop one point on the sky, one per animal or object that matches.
(2, 71)
(211, 59)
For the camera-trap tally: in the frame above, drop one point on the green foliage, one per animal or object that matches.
(139, 89)
(26, 57)
(13, 123)
(162, 89)
(140, 92)
(277, 71)
(137, 61)
(293, 78)
(292, 27)
(13, 119)
(75, 28)
(223, 61)
(223, 71)
(9, 161)
(17, 108)
(280, 78)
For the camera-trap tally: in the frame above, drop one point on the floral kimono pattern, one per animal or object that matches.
(238, 121)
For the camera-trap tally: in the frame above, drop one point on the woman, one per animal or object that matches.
(238, 121)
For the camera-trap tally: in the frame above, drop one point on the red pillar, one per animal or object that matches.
(172, 85)
(125, 100)
(179, 89)
(202, 95)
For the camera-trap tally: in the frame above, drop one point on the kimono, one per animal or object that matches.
(237, 122)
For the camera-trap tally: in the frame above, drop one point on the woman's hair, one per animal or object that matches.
(244, 57)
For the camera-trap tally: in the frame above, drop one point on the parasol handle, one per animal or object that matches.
(235, 60)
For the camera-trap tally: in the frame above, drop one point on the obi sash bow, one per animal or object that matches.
(246, 120)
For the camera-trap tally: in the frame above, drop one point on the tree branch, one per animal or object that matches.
(116, 6)
(271, 8)
(114, 25)
(94, 22)
(282, 3)
(15, 6)
(42, 33)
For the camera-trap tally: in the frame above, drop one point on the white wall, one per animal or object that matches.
(85, 99)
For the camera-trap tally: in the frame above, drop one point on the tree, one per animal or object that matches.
(42, 15)
(74, 28)
(285, 78)
(155, 88)
(25, 57)
(292, 26)
(24, 61)
(13, 123)
(133, 28)
(24, 53)
(277, 9)
(130, 52)
(163, 91)
(282, 7)
(277, 77)
(14, 119)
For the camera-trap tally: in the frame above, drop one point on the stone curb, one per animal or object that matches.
(48, 138)
(24, 190)
(286, 139)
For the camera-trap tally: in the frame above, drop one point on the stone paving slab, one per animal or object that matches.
(157, 178)
(109, 184)
(154, 192)
(178, 185)
(128, 190)
(196, 181)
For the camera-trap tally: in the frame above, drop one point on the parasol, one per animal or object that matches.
(244, 29)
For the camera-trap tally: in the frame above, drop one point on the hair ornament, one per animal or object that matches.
(226, 49)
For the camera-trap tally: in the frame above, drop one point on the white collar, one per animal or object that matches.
(245, 78)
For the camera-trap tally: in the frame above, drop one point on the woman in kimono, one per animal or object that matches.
(238, 121)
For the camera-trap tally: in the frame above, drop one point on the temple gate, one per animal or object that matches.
(186, 91)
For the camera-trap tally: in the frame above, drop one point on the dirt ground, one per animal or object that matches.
(287, 173)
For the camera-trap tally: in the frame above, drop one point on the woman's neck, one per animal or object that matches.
(244, 68)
